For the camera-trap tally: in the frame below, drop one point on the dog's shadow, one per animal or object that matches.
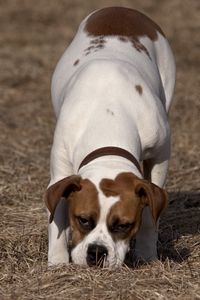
(180, 220)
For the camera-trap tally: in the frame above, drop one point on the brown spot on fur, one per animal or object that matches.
(125, 23)
(83, 203)
(123, 39)
(134, 194)
(99, 46)
(96, 45)
(76, 62)
(99, 40)
(89, 48)
(140, 47)
(110, 112)
(138, 89)
(121, 21)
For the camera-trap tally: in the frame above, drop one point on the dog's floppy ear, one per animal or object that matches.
(60, 189)
(153, 196)
(109, 187)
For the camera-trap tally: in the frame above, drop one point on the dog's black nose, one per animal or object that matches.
(96, 254)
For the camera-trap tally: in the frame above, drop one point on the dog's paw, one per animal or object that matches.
(146, 256)
(55, 260)
(146, 252)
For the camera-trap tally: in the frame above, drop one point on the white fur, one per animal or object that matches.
(101, 236)
(97, 105)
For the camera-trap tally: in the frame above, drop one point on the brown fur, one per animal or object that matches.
(134, 194)
(82, 199)
(121, 22)
(125, 23)
(83, 203)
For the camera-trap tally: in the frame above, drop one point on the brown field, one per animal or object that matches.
(33, 35)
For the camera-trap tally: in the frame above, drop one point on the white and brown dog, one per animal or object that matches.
(111, 93)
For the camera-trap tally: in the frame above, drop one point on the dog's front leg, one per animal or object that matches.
(146, 239)
(58, 236)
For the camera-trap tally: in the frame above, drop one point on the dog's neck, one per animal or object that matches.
(110, 151)
(108, 167)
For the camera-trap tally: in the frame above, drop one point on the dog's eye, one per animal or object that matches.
(86, 223)
(121, 227)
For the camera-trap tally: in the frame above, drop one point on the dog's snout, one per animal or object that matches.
(96, 255)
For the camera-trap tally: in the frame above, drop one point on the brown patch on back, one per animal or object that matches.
(83, 203)
(138, 89)
(124, 22)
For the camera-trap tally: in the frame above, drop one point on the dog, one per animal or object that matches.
(111, 93)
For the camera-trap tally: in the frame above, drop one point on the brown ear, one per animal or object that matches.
(109, 188)
(153, 196)
(60, 189)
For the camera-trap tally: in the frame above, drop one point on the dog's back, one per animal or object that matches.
(119, 35)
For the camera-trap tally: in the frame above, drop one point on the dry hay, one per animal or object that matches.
(32, 36)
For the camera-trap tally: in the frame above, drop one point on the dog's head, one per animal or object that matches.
(104, 218)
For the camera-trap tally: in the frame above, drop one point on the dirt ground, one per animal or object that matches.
(33, 35)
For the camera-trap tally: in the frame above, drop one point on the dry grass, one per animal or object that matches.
(33, 34)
